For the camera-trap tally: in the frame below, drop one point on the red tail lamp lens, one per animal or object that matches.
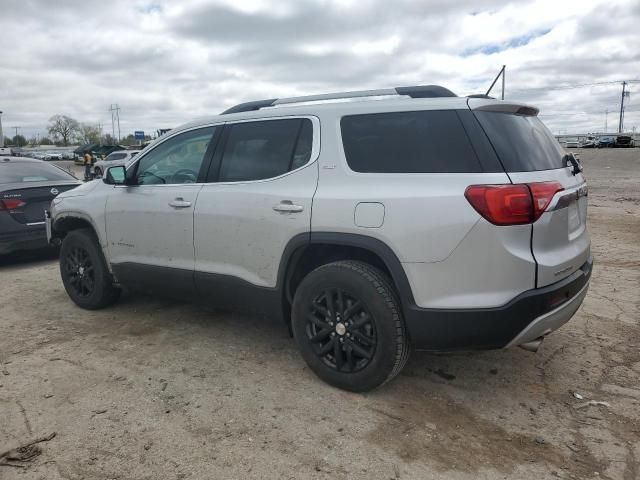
(517, 204)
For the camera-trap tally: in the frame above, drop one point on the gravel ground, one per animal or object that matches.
(154, 389)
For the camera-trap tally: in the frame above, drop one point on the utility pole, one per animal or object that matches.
(606, 116)
(501, 72)
(115, 118)
(624, 94)
(1, 134)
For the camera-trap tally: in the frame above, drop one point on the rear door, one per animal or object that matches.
(257, 197)
(530, 153)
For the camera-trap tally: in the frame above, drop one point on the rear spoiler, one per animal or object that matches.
(501, 106)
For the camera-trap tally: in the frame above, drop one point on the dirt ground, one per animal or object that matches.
(152, 389)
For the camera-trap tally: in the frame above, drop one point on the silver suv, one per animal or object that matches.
(406, 217)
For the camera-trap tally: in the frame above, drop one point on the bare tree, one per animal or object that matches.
(89, 134)
(63, 127)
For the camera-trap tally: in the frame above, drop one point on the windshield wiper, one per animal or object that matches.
(571, 158)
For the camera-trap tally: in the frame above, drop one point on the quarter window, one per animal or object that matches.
(176, 160)
(265, 149)
(431, 141)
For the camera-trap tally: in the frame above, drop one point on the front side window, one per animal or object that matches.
(175, 161)
(265, 149)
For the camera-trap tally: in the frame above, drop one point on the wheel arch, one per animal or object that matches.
(65, 222)
(307, 251)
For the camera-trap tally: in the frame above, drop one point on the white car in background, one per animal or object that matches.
(119, 157)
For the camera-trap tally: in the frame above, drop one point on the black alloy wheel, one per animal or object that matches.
(80, 271)
(341, 331)
(347, 321)
(84, 271)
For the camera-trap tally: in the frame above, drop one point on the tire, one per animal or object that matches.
(362, 343)
(84, 271)
(98, 172)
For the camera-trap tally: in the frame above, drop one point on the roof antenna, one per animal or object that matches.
(501, 72)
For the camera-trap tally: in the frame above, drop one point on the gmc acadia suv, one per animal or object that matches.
(406, 217)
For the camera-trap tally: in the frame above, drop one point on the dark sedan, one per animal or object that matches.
(27, 187)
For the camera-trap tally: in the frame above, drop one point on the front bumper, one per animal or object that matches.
(527, 317)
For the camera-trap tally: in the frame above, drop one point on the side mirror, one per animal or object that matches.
(115, 176)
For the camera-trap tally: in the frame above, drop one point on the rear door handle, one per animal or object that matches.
(287, 206)
(179, 202)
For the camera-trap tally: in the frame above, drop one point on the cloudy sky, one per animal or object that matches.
(166, 62)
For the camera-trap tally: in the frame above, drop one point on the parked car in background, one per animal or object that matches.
(52, 155)
(421, 220)
(119, 157)
(572, 143)
(590, 142)
(606, 141)
(27, 187)
(99, 151)
(624, 141)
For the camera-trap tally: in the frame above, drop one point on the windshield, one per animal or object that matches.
(522, 142)
(13, 172)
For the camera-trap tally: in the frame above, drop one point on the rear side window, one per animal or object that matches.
(431, 141)
(265, 149)
(522, 142)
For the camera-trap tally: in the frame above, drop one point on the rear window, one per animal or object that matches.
(431, 141)
(115, 156)
(522, 143)
(14, 172)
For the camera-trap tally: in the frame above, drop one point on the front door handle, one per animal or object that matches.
(179, 202)
(287, 206)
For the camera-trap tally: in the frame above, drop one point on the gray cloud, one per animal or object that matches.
(165, 62)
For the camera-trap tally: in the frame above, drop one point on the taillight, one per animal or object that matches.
(512, 204)
(11, 204)
(542, 194)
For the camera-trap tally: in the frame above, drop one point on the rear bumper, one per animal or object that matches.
(528, 316)
(30, 239)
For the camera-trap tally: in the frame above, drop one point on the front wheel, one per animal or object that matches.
(84, 271)
(348, 326)
(98, 172)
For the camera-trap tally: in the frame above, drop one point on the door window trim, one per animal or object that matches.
(217, 157)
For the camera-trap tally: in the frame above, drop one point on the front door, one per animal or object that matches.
(150, 223)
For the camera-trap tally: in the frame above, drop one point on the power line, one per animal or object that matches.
(580, 85)
(115, 117)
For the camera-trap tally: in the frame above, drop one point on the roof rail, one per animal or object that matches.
(418, 91)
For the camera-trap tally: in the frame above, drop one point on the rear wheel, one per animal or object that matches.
(84, 271)
(98, 172)
(347, 323)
